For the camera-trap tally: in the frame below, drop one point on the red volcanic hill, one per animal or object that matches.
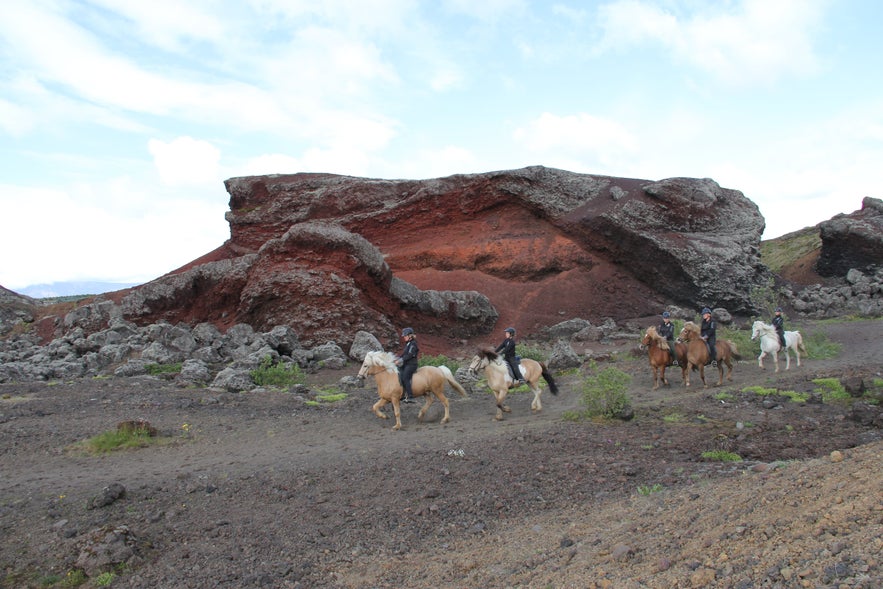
(461, 256)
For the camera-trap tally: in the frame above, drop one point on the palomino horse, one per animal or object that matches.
(428, 381)
(500, 381)
(660, 355)
(698, 356)
(769, 344)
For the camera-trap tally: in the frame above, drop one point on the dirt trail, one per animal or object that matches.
(262, 490)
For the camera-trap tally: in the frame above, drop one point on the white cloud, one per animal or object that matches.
(581, 134)
(756, 41)
(185, 161)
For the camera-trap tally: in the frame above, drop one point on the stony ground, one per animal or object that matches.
(265, 490)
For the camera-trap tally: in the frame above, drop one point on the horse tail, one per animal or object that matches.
(553, 387)
(800, 342)
(452, 381)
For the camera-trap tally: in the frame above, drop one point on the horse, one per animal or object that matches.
(769, 344)
(428, 381)
(500, 381)
(698, 356)
(660, 355)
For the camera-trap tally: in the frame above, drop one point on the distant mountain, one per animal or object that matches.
(66, 289)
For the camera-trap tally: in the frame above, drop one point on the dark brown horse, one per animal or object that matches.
(698, 356)
(661, 356)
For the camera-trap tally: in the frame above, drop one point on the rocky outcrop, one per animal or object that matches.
(860, 295)
(853, 241)
(331, 254)
(15, 310)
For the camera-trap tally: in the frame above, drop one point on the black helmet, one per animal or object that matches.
(666, 314)
(778, 309)
(706, 310)
(510, 330)
(407, 331)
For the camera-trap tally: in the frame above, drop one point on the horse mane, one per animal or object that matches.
(690, 326)
(384, 359)
(661, 342)
(488, 353)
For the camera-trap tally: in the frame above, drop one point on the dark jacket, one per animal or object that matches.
(779, 323)
(410, 353)
(507, 348)
(709, 330)
(666, 330)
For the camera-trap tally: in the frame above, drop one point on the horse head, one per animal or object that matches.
(482, 359)
(652, 336)
(759, 328)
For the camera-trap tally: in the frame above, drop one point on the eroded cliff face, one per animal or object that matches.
(853, 241)
(456, 257)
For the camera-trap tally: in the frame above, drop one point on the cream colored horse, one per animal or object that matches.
(428, 381)
(500, 381)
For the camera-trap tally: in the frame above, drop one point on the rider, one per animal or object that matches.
(408, 362)
(709, 333)
(667, 330)
(508, 349)
(779, 324)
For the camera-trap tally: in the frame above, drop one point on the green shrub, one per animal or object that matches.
(721, 456)
(119, 440)
(440, 360)
(157, 369)
(604, 394)
(532, 352)
(819, 347)
(105, 579)
(278, 375)
(648, 489)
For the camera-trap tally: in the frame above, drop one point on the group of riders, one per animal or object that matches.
(708, 331)
(408, 359)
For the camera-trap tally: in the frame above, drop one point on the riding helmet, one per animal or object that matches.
(407, 331)
(510, 330)
(778, 309)
(706, 310)
(666, 314)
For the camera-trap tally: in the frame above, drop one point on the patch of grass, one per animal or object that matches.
(766, 392)
(740, 337)
(724, 396)
(721, 456)
(105, 579)
(331, 397)
(819, 347)
(440, 360)
(74, 578)
(158, 369)
(648, 489)
(278, 375)
(831, 389)
(604, 394)
(674, 418)
(785, 250)
(113, 440)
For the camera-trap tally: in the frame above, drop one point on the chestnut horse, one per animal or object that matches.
(698, 356)
(661, 356)
(500, 381)
(428, 381)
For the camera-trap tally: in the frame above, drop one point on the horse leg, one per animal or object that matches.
(797, 354)
(655, 377)
(760, 359)
(729, 370)
(535, 405)
(425, 407)
(787, 359)
(662, 376)
(440, 395)
(702, 375)
(501, 396)
(376, 408)
(690, 367)
(398, 414)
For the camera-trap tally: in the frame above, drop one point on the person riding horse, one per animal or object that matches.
(408, 362)
(667, 330)
(779, 324)
(709, 333)
(508, 350)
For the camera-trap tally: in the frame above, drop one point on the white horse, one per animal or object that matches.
(769, 344)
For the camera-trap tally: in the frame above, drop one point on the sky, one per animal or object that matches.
(121, 119)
